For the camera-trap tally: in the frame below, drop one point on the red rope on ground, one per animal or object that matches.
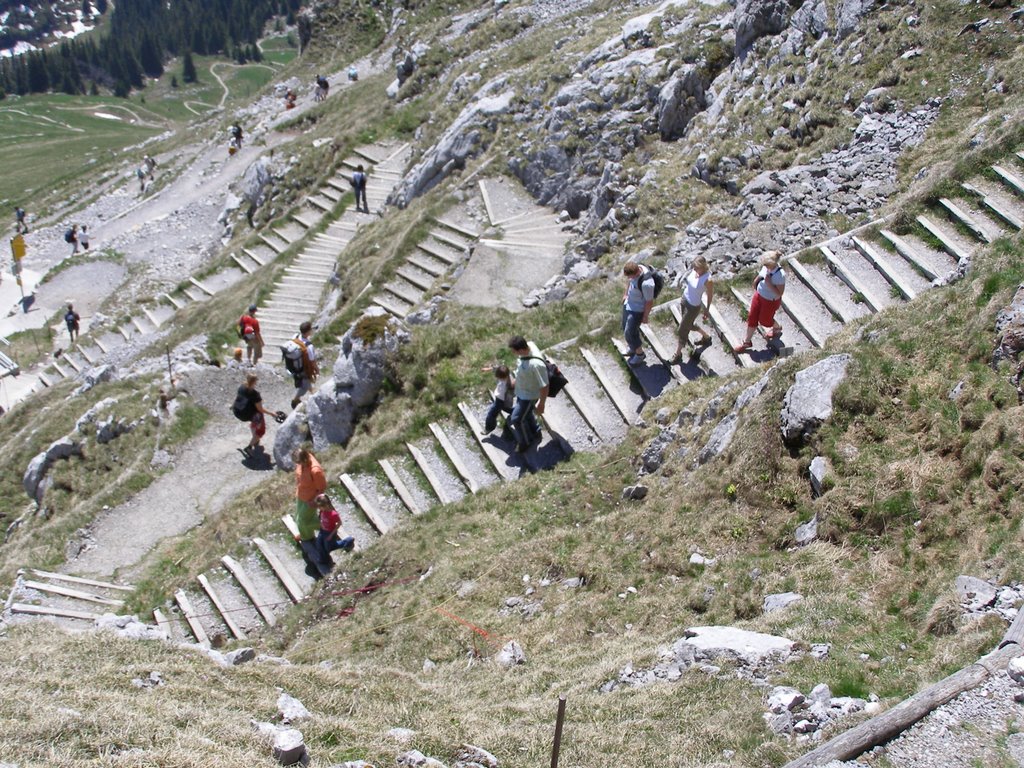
(494, 640)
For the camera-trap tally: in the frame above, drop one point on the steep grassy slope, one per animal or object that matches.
(923, 487)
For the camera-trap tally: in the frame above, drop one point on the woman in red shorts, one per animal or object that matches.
(769, 286)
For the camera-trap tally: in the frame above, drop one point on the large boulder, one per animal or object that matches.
(367, 349)
(742, 645)
(35, 474)
(808, 402)
(289, 436)
(849, 16)
(679, 101)
(255, 181)
(756, 18)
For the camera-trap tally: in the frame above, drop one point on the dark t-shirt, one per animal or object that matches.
(71, 318)
(251, 397)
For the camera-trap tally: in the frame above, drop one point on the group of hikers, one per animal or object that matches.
(643, 283)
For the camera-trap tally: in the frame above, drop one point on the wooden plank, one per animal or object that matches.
(400, 488)
(606, 384)
(496, 456)
(245, 267)
(245, 582)
(908, 252)
(252, 255)
(879, 263)
(435, 482)
(1011, 179)
(371, 512)
(77, 594)
(191, 618)
(289, 523)
(851, 280)
(225, 612)
(458, 228)
(80, 580)
(162, 622)
(886, 726)
(290, 585)
(174, 302)
(453, 456)
(42, 610)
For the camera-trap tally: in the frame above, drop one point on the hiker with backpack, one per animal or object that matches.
(71, 238)
(643, 284)
(249, 331)
(769, 285)
(531, 395)
(322, 86)
(359, 187)
(695, 285)
(71, 320)
(248, 406)
(300, 361)
(20, 223)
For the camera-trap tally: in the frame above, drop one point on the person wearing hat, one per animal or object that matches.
(249, 329)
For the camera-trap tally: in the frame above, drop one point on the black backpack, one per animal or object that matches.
(556, 379)
(243, 408)
(69, 236)
(652, 274)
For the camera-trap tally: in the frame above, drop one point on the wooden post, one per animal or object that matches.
(558, 732)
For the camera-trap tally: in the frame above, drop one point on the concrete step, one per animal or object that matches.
(466, 232)
(275, 243)
(913, 253)
(960, 214)
(1010, 178)
(247, 265)
(248, 584)
(427, 263)
(497, 454)
(652, 375)
(322, 202)
(951, 241)
(290, 232)
(448, 238)
(440, 252)
(307, 218)
(1007, 209)
(730, 332)
(829, 289)
(612, 379)
(176, 302)
(260, 254)
(191, 617)
(332, 193)
(288, 582)
(446, 485)
(416, 277)
(368, 507)
(393, 305)
(227, 614)
(461, 456)
(888, 270)
(412, 497)
(854, 278)
(794, 339)
(404, 290)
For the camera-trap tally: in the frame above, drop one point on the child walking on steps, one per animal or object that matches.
(330, 523)
(502, 399)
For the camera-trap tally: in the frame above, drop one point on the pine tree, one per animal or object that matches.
(174, 81)
(188, 69)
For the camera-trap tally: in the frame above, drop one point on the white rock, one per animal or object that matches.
(289, 746)
(1015, 669)
(511, 655)
(780, 601)
(784, 699)
(401, 735)
(744, 645)
(291, 709)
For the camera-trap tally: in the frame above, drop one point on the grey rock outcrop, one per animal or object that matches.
(255, 181)
(780, 601)
(290, 709)
(679, 101)
(290, 747)
(34, 481)
(1010, 330)
(806, 532)
(463, 139)
(975, 593)
(474, 757)
(416, 759)
(723, 433)
(97, 375)
(756, 18)
(511, 655)
(129, 627)
(808, 402)
(289, 436)
(366, 352)
(818, 471)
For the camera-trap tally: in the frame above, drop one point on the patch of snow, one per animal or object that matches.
(106, 116)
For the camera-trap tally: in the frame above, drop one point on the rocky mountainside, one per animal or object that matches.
(720, 561)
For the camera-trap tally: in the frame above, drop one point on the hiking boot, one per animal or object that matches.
(635, 360)
(705, 341)
(677, 358)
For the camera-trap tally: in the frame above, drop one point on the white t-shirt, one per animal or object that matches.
(693, 287)
(768, 282)
(501, 389)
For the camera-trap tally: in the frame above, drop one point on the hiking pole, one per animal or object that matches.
(558, 732)
(170, 372)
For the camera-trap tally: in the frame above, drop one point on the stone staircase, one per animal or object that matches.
(528, 236)
(293, 296)
(829, 285)
(63, 598)
(297, 295)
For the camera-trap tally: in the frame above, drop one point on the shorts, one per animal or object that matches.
(258, 425)
(762, 311)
